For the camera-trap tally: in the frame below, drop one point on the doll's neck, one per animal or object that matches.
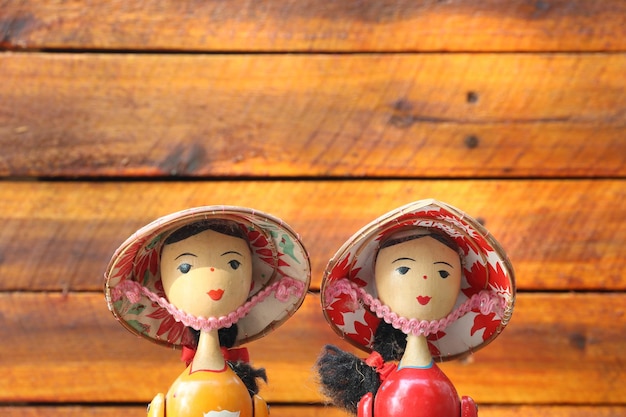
(208, 354)
(416, 353)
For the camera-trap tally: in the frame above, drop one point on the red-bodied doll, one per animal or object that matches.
(423, 283)
(207, 280)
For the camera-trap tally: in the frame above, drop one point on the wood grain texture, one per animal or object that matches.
(373, 115)
(248, 25)
(558, 349)
(559, 234)
(327, 115)
(311, 411)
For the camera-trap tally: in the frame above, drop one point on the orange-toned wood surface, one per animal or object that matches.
(313, 411)
(559, 349)
(309, 25)
(326, 114)
(374, 115)
(560, 234)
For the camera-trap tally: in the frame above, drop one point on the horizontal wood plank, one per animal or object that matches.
(312, 411)
(560, 235)
(559, 348)
(374, 115)
(248, 25)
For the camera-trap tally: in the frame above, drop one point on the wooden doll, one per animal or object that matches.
(207, 280)
(421, 284)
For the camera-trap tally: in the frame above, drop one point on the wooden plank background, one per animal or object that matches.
(367, 115)
(326, 114)
(306, 25)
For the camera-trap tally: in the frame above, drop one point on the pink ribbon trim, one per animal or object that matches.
(486, 301)
(283, 289)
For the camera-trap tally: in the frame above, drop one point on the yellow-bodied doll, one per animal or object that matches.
(208, 280)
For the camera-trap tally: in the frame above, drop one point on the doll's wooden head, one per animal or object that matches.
(418, 274)
(206, 268)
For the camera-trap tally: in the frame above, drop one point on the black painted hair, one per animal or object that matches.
(225, 227)
(438, 236)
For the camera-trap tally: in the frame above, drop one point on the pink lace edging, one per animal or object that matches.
(486, 301)
(283, 289)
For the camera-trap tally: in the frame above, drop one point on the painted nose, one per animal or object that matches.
(425, 277)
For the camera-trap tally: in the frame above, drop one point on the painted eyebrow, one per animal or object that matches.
(442, 262)
(232, 251)
(404, 259)
(184, 254)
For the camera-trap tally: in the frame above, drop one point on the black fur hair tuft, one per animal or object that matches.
(345, 378)
(249, 375)
(389, 342)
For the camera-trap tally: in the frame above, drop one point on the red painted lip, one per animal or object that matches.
(423, 300)
(216, 295)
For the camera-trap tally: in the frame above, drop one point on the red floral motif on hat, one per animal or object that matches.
(465, 243)
(366, 330)
(498, 277)
(346, 269)
(488, 322)
(360, 327)
(479, 277)
(168, 325)
(260, 244)
(476, 277)
(125, 262)
(433, 338)
(360, 323)
(341, 305)
(410, 218)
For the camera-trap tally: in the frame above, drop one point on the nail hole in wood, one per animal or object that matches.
(472, 97)
(471, 141)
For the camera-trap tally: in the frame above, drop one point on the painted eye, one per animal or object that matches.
(234, 264)
(184, 268)
(444, 274)
(402, 270)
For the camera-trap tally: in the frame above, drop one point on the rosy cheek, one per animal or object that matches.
(425, 277)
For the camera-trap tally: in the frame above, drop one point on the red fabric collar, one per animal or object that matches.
(231, 355)
(375, 360)
(236, 354)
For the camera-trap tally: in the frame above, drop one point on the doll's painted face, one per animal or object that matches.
(207, 274)
(418, 278)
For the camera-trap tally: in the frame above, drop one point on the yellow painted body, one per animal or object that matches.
(208, 394)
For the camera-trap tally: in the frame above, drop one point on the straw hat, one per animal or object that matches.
(483, 307)
(280, 266)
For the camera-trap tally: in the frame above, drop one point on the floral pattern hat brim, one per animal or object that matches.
(486, 270)
(277, 254)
